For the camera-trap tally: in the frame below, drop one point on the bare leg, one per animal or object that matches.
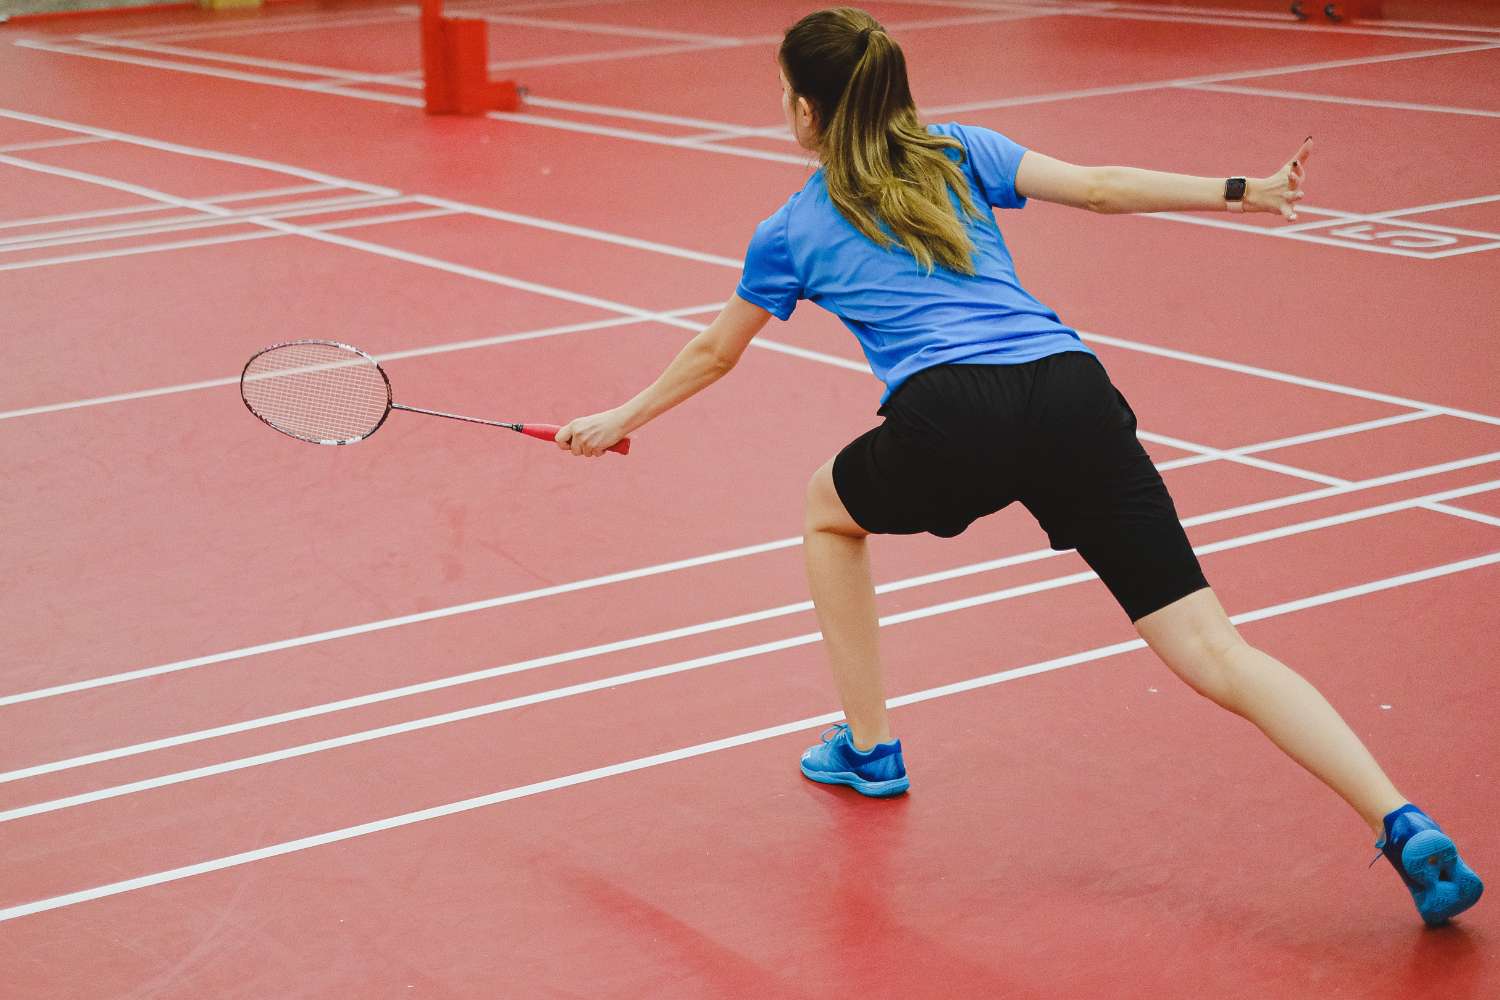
(1195, 638)
(838, 573)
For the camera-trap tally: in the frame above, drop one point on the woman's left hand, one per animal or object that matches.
(1282, 190)
(592, 436)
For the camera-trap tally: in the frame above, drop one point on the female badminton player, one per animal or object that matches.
(990, 399)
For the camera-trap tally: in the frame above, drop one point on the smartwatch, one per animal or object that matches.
(1234, 194)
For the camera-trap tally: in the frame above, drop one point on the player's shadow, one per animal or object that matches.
(1451, 954)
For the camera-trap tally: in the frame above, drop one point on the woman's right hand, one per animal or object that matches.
(1282, 190)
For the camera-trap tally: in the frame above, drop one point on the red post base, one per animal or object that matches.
(455, 68)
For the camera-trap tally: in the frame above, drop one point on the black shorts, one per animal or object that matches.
(963, 441)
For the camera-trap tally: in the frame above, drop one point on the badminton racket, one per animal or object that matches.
(330, 393)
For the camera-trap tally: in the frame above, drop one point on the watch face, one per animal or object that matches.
(1234, 189)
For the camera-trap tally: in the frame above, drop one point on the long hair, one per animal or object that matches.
(880, 163)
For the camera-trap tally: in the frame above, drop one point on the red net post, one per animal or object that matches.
(455, 70)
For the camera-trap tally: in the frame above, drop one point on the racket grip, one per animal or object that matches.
(548, 432)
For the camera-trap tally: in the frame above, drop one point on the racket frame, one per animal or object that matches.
(390, 402)
(359, 357)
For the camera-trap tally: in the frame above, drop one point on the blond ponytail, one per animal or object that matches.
(885, 172)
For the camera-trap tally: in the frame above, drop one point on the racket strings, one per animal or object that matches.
(319, 392)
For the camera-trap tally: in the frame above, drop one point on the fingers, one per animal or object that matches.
(1304, 152)
(570, 439)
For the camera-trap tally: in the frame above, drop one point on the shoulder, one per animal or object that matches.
(772, 230)
(975, 137)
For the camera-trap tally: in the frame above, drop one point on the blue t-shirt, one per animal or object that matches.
(906, 319)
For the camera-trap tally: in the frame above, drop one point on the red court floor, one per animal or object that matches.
(448, 714)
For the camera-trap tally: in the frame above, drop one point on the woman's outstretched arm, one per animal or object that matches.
(704, 360)
(1129, 189)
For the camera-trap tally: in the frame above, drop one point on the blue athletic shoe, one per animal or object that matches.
(1425, 858)
(877, 772)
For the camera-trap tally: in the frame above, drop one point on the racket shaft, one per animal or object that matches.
(544, 432)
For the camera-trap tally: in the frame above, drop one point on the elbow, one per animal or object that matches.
(1101, 197)
(717, 362)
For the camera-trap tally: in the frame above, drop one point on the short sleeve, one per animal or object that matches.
(769, 280)
(994, 159)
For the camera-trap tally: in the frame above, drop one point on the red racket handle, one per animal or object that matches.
(548, 432)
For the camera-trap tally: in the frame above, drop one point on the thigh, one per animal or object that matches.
(928, 467)
(1095, 489)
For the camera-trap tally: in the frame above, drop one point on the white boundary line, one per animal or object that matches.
(814, 355)
(80, 258)
(739, 130)
(184, 223)
(1307, 232)
(18, 147)
(105, 213)
(684, 753)
(172, 147)
(621, 679)
(705, 627)
(463, 345)
(779, 131)
(266, 26)
(618, 680)
(1278, 376)
(494, 602)
(1296, 95)
(1241, 456)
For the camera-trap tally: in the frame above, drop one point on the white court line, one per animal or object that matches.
(201, 70)
(139, 209)
(17, 147)
(268, 26)
(1301, 235)
(600, 28)
(463, 345)
(530, 595)
(106, 213)
(1279, 376)
(1437, 254)
(767, 614)
(1279, 15)
(707, 44)
(829, 359)
(617, 680)
(183, 223)
(322, 235)
(610, 111)
(1337, 218)
(654, 760)
(1463, 512)
(1220, 17)
(208, 55)
(690, 142)
(172, 147)
(1241, 457)
(780, 130)
(1295, 95)
(521, 597)
(1289, 25)
(80, 258)
(598, 235)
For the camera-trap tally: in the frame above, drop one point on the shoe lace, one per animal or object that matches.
(832, 732)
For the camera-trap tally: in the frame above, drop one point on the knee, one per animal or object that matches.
(1206, 651)
(1213, 665)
